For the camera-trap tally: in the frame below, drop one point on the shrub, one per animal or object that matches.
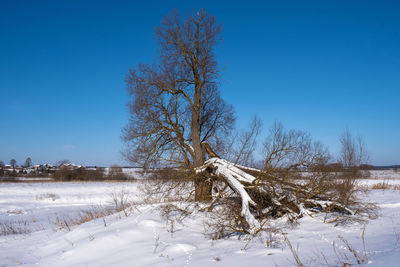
(385, 186)
(116, 173)
(79, 174)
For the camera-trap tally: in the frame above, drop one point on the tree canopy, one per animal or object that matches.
(176, 105)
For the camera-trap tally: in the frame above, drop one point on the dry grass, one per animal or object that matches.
(14, 228)
(352, 256)
(45, 196)
(347, 256)
(295, 253)
(385, 186)
(84, 216)
(15, 212)
(173, 216)
(170, 189)
(120, 202)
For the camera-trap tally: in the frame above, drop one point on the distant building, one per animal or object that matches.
(43, 168)
(71, 167)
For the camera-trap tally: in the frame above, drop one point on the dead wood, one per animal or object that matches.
(264, 196)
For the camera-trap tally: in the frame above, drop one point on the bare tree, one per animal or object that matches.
(293, 149)
(241, 145)
(13, 163)
(28, 162)
(177, 116)
(1, 163)
(248, 197)
(115, 172)
(176, 105)
(353, 151)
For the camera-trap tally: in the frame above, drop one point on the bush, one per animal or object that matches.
(116, 173)
(79, 174)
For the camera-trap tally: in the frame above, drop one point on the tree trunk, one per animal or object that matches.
(203, 187)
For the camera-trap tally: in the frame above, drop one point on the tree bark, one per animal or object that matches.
(203, 187)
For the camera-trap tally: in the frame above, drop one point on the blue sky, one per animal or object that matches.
(318, 66)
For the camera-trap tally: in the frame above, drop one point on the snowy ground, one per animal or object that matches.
(385, 174)
(144, 239)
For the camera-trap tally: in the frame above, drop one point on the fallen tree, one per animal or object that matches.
(263, 196)
(247, 200)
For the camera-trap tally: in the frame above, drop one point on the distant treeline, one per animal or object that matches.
(364, 167)
(392, 167)
(115, 172)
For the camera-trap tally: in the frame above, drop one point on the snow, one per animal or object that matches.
(40, 204)
(385, 174)
(229, 168)
(144, 239)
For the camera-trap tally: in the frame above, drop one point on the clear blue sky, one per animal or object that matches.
(319, 66)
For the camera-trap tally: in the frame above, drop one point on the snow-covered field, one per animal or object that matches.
(144, 239)
(385, 174)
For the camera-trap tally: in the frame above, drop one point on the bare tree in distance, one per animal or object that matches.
(292, 149)
(1, 163)
(28, 162)
(241, 145)
(176, 105)
(115, 172)
(13, 163)
(353, 151)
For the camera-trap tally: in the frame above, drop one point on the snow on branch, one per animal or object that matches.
(268, 197)
(233, 177)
